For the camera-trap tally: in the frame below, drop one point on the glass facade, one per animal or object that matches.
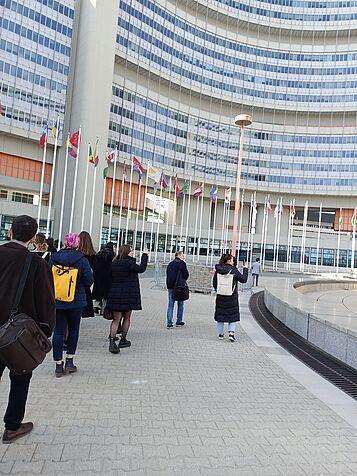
(299, 86)
(35, 48)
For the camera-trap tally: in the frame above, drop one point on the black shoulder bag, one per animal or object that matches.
(23, 344)
(180, 292)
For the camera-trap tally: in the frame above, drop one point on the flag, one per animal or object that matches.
(198, 191)
(177, 188)
(2, 113)
(353, 219)
(43, 136)
(154, 173)
(213, 194)
(276, 210)
(227, 197)
(111, 156)
(138, 167)
(71, 150)
(90, 154)
(164, 182)
(254, 211)
(124, 171)
(56, 128)
(281, 210)
(268, 207)
(105, 172)
(340, 220)
(168, 186)
(184, 189)
(74, 139)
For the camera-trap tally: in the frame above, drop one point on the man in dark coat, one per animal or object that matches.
(227, 306)
(38, 301)
(176, 274)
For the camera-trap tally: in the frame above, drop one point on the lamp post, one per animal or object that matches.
(241, 120)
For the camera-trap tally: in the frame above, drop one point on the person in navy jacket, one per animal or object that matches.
(68, 314)
(176, 271)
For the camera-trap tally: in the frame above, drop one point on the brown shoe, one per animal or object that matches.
(9, 435)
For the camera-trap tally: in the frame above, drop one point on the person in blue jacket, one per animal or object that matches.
(68, 314)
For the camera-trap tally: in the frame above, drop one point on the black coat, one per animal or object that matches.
(101, 272)
(227, 307)
(124, 291)
(173, 269)
(88, 310)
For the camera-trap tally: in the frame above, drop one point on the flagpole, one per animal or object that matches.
(173, 223)
(263, 229)
(223, 225)
(275, 232)
(167, 223)
(144, 208)
(102, 217)
(129, 199)
(75, 181)
(209, 230)
(291, 234)
(42, 180)
(85, 190)
(338, 241)
(158, 225)
(250, 230)
(226, 228)
(200, 228)
(214, 229)
(187, 240)
(265, 233)
(288, 245)
(113, 193)
(182, 216)
(152, 225)
(93, 197)
(63, 193)
(52, 178)
(278, 235)
(240, 223)
(353, 241)
(137, 216)
(318, 240)
(303, 241)
(121, 206)
(195, 235)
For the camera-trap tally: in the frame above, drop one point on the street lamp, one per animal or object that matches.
(241, 120)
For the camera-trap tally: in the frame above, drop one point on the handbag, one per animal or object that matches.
(23, 344)
(225, 284)
(180, 292)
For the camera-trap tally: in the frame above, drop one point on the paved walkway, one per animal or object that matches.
(180, 402)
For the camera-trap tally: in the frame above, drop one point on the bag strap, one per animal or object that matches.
(22, 282)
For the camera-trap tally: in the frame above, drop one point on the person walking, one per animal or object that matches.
(68, 313)
(41, 247)
(227, 306)
(176, 274)
(101, 275)
(38, 301)
(124, 294)
(256, 272)
(86, 247)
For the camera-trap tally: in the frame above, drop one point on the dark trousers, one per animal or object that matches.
(19, 389)
(66, 320)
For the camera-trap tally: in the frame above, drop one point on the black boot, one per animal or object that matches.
(70, 367)
(124, 343)
(113, 347)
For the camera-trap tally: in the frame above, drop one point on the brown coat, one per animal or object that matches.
(38, 300)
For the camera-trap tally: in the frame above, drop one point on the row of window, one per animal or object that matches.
(34, 36)
(33, 78)
(58, 7)
(44, 20)
(299, 3)
(33, 57)
(26, 118)
(31, 98)
(199, 33)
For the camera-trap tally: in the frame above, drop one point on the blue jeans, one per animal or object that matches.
(66, 319)
(170, 309)
(231, 327)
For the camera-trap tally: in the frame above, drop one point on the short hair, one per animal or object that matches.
(178, 253)
(258, 259)
(24, 228)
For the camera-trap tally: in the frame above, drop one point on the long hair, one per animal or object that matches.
(85, 244)
(123, 251)
(40, 242)
(225, 258)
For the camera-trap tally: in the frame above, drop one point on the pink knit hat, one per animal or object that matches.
(71, 240)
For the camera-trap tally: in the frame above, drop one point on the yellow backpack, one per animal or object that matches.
(65, 281)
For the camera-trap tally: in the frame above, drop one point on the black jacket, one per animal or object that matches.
(173, 269)
(227, 307)
(38, 298)
(124, 291)
(101, 272)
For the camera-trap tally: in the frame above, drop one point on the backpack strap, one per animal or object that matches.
(22, 282)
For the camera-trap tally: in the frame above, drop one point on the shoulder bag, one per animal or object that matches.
(23, 344)
(180, 292)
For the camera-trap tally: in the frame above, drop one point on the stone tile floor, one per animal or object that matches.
(178, 402)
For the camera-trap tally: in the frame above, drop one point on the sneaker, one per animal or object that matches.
(231, 337)
(180, 324)
(220, 336)
(12, 435)
(124, 343)
(70, 367)
(59, 371)
(169, 326)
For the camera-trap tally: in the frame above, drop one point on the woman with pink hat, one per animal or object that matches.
(69, 264)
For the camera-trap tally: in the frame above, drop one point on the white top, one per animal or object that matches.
(256, 268)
